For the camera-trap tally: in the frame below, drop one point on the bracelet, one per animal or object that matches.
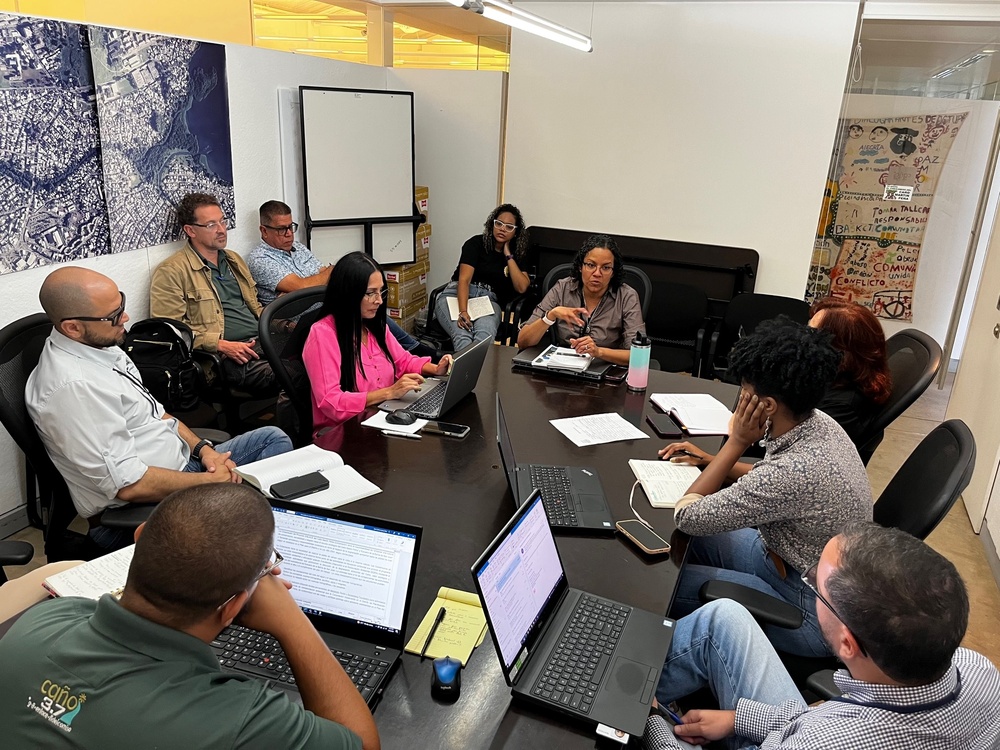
(546, 321)
(509, 257)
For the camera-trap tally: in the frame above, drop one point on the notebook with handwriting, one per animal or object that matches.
(697, 413)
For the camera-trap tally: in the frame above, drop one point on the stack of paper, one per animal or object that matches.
(461, 630)
(697, 413)
(346, 484)
(663, 482)
(562, 358)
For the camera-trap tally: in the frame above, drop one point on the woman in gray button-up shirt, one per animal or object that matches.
(770, 525)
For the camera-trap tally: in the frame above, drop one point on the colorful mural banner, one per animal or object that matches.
(875, 210)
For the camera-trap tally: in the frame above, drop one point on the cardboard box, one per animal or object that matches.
(422, 240)
(421, 196)
(400, 314)
(407, 271)
(409, 325)
(402, 293)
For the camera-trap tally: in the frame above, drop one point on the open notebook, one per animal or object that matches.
(697, 413)
(346, 484)
(663, 482)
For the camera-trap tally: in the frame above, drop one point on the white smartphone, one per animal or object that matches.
(449, 429)
(643, 537)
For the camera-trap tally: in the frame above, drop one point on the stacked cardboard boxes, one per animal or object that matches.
(407, 283)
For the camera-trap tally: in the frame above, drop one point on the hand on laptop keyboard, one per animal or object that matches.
(409, 382)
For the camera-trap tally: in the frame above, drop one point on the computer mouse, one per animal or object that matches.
(446, 679)
(400, 417)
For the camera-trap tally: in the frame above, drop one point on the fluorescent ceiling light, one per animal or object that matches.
(504, 12)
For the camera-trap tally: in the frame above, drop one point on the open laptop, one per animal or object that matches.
(353, 577)
(437, 395)
(526, 360)
(573, 496)
(575, 653)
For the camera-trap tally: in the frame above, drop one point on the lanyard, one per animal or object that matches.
(917, 708)
(585, 330)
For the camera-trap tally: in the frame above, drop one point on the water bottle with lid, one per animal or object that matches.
(638, 362)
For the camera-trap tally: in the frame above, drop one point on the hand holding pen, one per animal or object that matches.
(685, 453)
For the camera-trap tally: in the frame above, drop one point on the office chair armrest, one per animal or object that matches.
(763, 607)
(822, 684)
(699, 353)
(211, 365)
(15, 553)
(126, 517)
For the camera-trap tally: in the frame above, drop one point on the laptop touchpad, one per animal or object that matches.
(591, 502)
(629, 677)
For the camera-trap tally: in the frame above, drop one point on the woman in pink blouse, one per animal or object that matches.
(352, 361)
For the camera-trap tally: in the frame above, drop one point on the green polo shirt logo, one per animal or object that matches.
(58, 705)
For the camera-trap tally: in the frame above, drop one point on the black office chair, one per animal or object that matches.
(914, 361)
(744, 313)
(917, 498)
(20, 347)
(677, 324)
(282, 346)
(14, 553)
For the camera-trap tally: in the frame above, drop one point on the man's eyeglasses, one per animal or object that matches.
(213, 225)
(590, 267)
(374, 295)
(114, 318)
(287, 229)
(506, 227)
(275, 560)
(809, 579)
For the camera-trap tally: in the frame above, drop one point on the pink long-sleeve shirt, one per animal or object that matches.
(331, 404)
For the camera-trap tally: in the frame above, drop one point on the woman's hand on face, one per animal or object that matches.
(409, 382)
(444, 365)
(685, 453)
(749, 419)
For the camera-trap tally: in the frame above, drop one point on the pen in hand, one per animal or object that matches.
(430, 636)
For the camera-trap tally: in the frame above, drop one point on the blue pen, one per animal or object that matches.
(677, 719)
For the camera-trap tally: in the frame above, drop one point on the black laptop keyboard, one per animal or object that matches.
(428, 405)
(259, 654)
(578, 662)
(556, 488)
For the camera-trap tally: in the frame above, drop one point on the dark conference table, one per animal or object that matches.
(457, 491)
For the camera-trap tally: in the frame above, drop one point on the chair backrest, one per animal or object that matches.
(929, 482)
(21, 345)
(635, 277)
(679, 312)
(914, 360)
(748, 310)
(283, 349)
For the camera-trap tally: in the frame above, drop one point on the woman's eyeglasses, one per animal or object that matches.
(506, 227)
(113, 318)
(590, 267)
(374, 295)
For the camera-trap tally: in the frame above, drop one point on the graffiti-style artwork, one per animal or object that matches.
(876, 208)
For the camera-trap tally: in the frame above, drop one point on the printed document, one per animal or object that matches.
(596, 429)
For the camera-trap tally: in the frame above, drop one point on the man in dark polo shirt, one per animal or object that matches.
(139, 673)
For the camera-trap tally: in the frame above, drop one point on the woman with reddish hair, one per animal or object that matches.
(863, 382)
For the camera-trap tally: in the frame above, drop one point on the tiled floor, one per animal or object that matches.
(953, 538)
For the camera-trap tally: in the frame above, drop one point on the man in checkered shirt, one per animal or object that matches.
(894, 612)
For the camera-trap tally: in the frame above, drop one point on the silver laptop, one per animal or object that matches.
(438, 395)
(568, 651)
(525, 360)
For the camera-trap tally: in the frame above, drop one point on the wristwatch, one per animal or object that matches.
(508, 256)
(196, 451)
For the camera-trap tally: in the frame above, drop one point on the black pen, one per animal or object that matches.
(430, 636)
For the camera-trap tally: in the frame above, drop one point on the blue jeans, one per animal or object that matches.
(741, 557)
(246, 448)
(721, 647)
(482, 328)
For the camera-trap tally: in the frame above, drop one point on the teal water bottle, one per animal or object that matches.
(638, 362)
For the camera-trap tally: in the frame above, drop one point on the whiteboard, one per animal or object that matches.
(357, 150)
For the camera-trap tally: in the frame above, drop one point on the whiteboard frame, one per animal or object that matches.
(394, 239)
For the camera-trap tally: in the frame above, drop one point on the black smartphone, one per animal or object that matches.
(615, 374)
(300, 486)
(643, 537)
(450, 429)
(664, 425)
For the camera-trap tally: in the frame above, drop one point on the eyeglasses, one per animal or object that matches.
(273, 562)
(114, 318)
(287, 229)
(591, 267)
(506, 227)
(213, 225)
(374, 295)
(809, 579)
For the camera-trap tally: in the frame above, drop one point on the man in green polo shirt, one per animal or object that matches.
(139, 673)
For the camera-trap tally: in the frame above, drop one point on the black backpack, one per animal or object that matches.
(162, 350)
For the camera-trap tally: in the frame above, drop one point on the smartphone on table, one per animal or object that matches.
(664, 425)
(449, 429)
(643, 537)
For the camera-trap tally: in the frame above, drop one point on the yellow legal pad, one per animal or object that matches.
(462, 629)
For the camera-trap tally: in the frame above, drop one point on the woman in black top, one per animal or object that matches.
(488, 267)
